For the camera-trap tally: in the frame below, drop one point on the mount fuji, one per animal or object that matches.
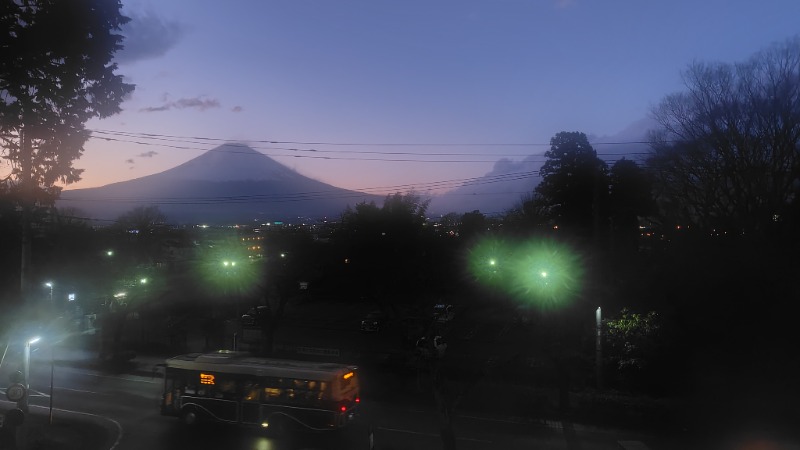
(232, 183)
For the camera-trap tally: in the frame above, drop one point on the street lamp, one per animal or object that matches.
(50, 285)
(26, 367)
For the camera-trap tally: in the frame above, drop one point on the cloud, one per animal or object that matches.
(505, 166)
(237, 109)
(149, 154)
(129, 161)
(148, 36)
(197, 103)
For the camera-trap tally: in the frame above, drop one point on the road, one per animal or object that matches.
(128, 404)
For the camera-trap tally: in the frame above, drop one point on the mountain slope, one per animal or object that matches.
(229, 184)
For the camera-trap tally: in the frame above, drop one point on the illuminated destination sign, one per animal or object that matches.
(348, 375)
(206, 378)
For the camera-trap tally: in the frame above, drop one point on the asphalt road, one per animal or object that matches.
(398, 411)
(128, 404)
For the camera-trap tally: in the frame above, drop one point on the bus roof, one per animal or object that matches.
(226, 361)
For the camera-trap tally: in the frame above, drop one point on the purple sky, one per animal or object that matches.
(413, 72)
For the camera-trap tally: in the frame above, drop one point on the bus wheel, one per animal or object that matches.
(189, 417)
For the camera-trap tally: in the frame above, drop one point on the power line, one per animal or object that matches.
(133, 138)
(315, 195)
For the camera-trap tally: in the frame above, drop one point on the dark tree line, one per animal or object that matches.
(726, 155)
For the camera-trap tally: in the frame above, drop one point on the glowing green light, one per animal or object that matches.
(487, 261)
(542, 272)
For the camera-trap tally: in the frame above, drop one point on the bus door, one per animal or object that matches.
(251, 400)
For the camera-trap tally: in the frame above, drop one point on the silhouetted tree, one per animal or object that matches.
(56, 73)
(574, 184)
(292, 260)
(384, 246)
(726, 154)
(472, 223)
(142, 219)
(630, 197)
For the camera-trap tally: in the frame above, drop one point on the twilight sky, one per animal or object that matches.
(434, 73)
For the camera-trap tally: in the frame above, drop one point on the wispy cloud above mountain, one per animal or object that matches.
(198, 103)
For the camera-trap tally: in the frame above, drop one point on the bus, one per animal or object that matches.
(274, 394)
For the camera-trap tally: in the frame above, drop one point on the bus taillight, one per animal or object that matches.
(358, 400)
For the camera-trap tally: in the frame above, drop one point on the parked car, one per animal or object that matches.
(374, 321)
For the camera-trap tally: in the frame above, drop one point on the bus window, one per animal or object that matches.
(228, 387)
(272, 393)
(252, 393)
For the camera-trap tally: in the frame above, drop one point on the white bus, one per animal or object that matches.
(275, 394)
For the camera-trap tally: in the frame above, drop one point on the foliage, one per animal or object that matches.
(56, 73)
(385, 248)
(630, 197)
(573, 187)
(633, 338)
(726, 154)
(141, 220)
(471, 224)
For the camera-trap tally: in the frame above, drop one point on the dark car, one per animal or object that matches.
(374, 321)
(256, 316)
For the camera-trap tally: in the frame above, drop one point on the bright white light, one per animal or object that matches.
(49, 284)
(34, 340)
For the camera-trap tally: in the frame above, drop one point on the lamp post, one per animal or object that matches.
(52, 375)
(26, 367)
(598, 355)
(50, 285)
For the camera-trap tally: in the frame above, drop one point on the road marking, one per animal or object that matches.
(141, 379)
(123, 378)
(36, 393)
(433, 435)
